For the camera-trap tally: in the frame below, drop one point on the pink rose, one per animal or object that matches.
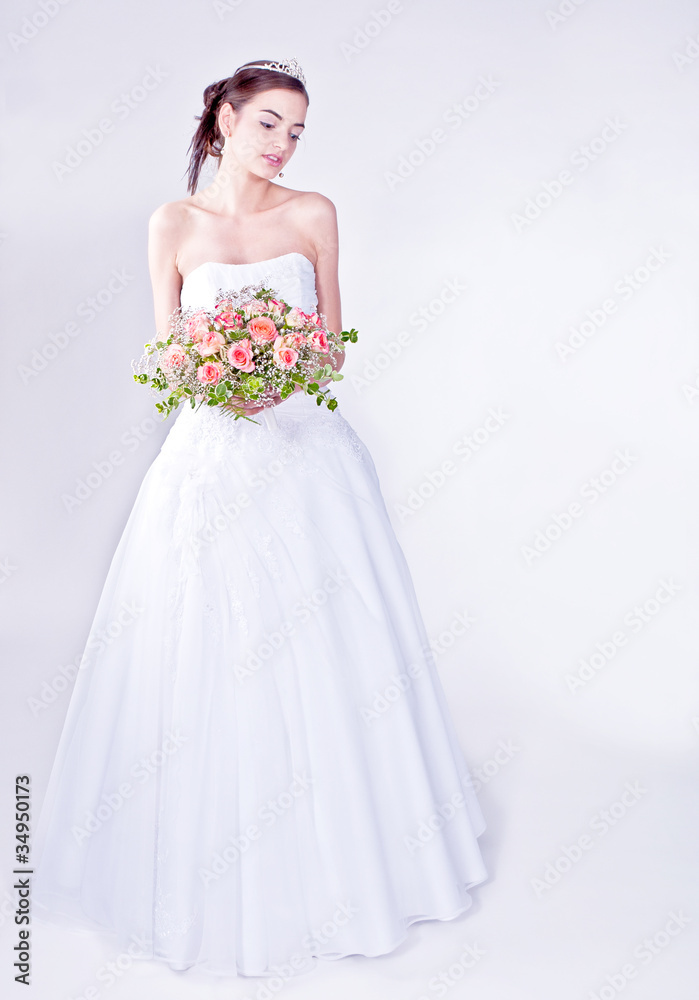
(262, 330)
(318, 341)
(227, 315)
(315, 320)
(197, 325)
(284, 356)
(296, 317)
(174, 356)
(211, 342)
(210, 372)
(240, 355)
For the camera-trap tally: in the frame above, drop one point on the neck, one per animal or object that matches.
(235, 190)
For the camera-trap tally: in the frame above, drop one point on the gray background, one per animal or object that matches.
(559, 72)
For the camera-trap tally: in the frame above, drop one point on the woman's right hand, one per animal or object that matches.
(248, 406)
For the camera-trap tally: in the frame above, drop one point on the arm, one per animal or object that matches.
(164, 231)
(322, 222)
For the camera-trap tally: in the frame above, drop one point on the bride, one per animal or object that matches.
(258, 768)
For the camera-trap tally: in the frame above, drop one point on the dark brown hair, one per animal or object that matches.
(236, 90)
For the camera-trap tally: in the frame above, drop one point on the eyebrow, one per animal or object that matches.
(277, 115)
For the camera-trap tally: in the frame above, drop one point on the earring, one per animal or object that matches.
(280, 174)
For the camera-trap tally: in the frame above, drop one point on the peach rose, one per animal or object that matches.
(284, 356)
(296, 317)
(174, 356)
(240, 355)
(262, 330)
(197, 325)
(211, 343)
(255, 307)
(210, 372)
(318, 341)
(276, 309)
(294, 338)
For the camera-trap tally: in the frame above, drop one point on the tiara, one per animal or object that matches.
(288, 66)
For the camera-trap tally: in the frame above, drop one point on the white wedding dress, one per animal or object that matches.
(258, 767)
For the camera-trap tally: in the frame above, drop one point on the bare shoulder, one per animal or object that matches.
(315, 206)
(317, 218)
(169, 218)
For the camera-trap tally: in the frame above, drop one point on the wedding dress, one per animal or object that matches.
(258, 767)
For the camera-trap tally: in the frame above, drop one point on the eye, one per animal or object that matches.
(272, 125)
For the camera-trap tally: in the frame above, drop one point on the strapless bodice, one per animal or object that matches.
(291, 275)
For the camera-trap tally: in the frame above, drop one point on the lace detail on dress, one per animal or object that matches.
(287, 514)
(236, 607)
(212, 618)
(168, 922)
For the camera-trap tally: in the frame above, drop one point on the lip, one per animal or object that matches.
(276, 161)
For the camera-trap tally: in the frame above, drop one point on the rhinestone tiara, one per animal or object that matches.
(288, 66)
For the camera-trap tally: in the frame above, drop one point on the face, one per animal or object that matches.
(265, 131)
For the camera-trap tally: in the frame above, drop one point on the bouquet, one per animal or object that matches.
(251, 345)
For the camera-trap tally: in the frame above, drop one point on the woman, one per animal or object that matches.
(258, 767)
